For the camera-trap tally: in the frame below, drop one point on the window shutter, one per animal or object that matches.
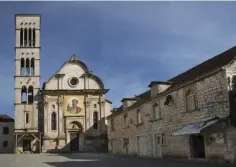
(191, 102)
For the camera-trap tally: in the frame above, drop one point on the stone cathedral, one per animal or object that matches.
(68, 113)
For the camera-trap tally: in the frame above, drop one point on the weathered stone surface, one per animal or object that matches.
(211, 101)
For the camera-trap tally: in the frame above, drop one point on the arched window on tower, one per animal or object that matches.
(25, 37)
(32, 69)
(22, 66)
(21, 37)
(23, 94)
(30, 37)
(34, 36)
(95, 120)
(53, 121)
(30, 95)
(27, 67)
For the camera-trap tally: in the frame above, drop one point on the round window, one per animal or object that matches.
(73, 81)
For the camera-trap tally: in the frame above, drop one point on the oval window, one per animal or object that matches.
(73, 81)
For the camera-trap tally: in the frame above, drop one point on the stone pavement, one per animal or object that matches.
(91, 160)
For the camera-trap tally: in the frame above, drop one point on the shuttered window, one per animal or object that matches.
(156, 112)
(191, 102)
(139, 117)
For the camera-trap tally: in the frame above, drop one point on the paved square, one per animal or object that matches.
(88, 160)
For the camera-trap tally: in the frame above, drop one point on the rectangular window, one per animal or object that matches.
(139, 117)
(125, 121)
(125, 143)
(216, 138)
(156, 112)
(158, 140)
(191, 102)
(112, 125)
(5, 130)
(164, 139)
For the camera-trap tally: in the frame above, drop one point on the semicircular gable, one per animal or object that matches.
(96, 79)
(77, 62)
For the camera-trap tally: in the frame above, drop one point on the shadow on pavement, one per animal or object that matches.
(98, 160)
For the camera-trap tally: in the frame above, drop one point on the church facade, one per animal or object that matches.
(68, 113)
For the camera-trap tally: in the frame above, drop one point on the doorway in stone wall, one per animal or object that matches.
(26, 145)
(197, 146)
(74, 141)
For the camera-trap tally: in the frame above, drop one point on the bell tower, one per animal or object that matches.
(27, 82)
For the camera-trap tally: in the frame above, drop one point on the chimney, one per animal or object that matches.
(158, 87)
(127, 102)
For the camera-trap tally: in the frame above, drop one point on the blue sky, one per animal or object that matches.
(126, 44)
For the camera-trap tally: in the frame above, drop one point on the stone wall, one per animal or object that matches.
(7, 137)
(211, 99)
(49, 139)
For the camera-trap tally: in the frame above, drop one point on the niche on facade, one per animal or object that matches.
(75, 126)
(216, 138)
(169, 100)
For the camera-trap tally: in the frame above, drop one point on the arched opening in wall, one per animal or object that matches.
(53, 121)
(25, 37)
(27, 118)
(27, 67)
(23, 94)
(34, 36)
(21, 37)
(75, 128)
(22, 66)
(32, 68)
(95, 120)
(30, 37)
(30, 95)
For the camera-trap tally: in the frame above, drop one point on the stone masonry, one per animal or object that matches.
(211, 100)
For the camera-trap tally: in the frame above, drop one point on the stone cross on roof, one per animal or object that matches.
(73, 57)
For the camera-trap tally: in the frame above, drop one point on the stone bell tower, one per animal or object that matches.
(27, 82)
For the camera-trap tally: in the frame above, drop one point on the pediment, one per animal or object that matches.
(71, 76)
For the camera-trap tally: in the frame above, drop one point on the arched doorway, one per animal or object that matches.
(197, 146)
(75, 129)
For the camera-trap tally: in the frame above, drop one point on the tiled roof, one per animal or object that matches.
(6, 118)
(206, 67)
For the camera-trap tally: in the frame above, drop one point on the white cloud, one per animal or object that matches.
(192, 33)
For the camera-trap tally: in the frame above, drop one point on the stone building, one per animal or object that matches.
(68, 113)
(6, 134)
(192, 115)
